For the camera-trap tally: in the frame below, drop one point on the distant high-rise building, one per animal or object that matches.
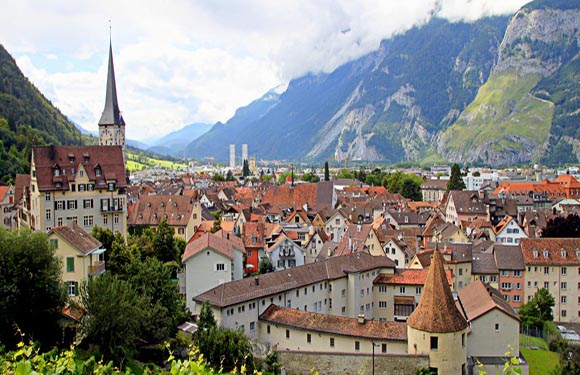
(244, 152)
(232, 156)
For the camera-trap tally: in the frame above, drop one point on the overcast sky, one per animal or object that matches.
(184, 61)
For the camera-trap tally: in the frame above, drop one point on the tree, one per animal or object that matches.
(563, 227)
(115, 312)
(455, 181)
(310, 177)
(106, 237)
(229, 175)
(217, 225)
(163, 243)
(362, 174)
(121, 255)
(538, 310)
(326, 172)
(245, 169)
(411, 189)
(31, 290)
(345, 173)
(265, 265)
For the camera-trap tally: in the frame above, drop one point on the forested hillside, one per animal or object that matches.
(27, 118)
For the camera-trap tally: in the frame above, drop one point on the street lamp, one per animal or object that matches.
(374, 345)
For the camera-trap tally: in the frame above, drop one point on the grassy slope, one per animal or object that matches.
(542, 362)
(503, 106)
(138, 162)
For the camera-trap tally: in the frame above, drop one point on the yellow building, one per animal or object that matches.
(82, 255)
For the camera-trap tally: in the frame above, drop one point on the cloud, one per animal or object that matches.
(186, 61)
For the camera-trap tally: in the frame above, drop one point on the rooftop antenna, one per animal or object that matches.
(110, 38)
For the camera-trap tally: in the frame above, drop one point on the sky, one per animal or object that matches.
(179, 62)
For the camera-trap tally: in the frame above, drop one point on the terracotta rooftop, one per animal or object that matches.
(152, 209)
(436, 311)
(77, 237)
(317, 195)
(551, 251)
(277, 282)
(336, 325)
(216, 242)
(355, 236)
(409, 277)
(69, 159)
(477, 299)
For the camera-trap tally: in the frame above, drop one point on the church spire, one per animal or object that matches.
(111, 114)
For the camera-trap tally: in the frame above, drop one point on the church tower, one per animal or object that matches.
(111, 124)
(437, 328)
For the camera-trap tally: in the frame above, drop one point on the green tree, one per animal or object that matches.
(362, 174)
(411, 189)
(115, 312)
(455, 181)
(163, 243)
(393, 182)
(282, 177)
(326, 172)
(31, 291)
(310, 177)
(538, 310)
(217, 225)
(120, 255)
(563, 227)
(265, 265)
(345, 173)
(245, 169)
(105, 236)
(229, 175)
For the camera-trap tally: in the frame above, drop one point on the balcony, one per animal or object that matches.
(111, 208)
(98, 268)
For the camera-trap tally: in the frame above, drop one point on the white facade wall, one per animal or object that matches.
(511, 234)
(493, 334)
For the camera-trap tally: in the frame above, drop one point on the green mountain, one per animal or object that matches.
(26, 118)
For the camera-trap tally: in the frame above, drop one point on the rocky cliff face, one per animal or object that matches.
(508, 123)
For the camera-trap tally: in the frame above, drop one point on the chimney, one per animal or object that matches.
(361, 319)
(257, 281)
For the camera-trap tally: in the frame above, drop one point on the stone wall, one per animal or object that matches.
(348, 363)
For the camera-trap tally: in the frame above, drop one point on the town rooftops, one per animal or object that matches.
(477, 299)
(409, 277)
(224, 246)
(152, 209)
(239, 291)
(509, 257)
(436, 311)
(335, 325)
(78, 238)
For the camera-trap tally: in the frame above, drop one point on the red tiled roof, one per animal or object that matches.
(3, 190)
(210, 240)
(108, 158)
(152, 209)
(336, 325)
(409, 277)
(553, 248)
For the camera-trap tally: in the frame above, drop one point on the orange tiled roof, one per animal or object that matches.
(551, 251)
(3, 191)
(409, 277)
(477, 299)
(213, 241)
(336, 325)
(152, 209)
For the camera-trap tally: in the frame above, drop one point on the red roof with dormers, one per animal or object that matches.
(551, 251)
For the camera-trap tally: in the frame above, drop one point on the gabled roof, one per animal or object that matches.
(409, 277)
(272, 283)
(467, 202)
(509, 257)
(221, 245)
(111, 113)
(478, 299)
(3, 191)
(551, 251)
(436, 311)
(483, 264)
(354, 239)
(108, 159)
(20, 183)
(77, 237)
(336, 325)
(152, 209)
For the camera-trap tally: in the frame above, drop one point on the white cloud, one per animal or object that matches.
(186, 61)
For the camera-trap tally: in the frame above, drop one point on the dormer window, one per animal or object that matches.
(564, 253)
(577, 253)
(98, 171)
(162, 205)
(545, 252)
(56, 172)
(536, 253)
(111, 186)
(154, 216)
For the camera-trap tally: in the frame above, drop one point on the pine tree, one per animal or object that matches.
(455, 181)
(326, 172)
(245, 169)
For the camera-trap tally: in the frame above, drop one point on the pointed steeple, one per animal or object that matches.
(437, 312)
(111, 114)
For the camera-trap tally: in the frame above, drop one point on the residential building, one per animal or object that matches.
(84, 185)
(508, 232)
(554, 264)
(285, 253)
(510, 263)
(82, 255)
(8, 210)
(434, 190)
(211, 260)
(464, 206)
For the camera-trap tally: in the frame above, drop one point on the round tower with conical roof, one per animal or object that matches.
(436, 327)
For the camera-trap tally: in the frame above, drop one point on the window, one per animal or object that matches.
(357, 346)
(418, 290)
(563, 299)
(402, 289)
(518, 285)
(460, 271)
(59, 221)
(493, 279)
(434, 342)
(546, 270)
(47, 197)
(308, 338)
(71, 204)
(87, 203)
(517, 273)
(287, 333)
(88, 221)
(72, 288)
(252, 326)
(382, 304)
(332, 342)
(70, 264)
(116, 219)
(220, 267)
(517, 298)
(59, 205)
(505, 273)
(497, 327)
(563, 271)
(463, 339)
(383, 348)
(563, 285)
(48, 215)
(382, 289)
(563, 313)
(268, 329)
(54, 243)
(105, 219)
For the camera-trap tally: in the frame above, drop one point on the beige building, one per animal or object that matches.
(84, 185)
(341, 286)
(82, 255)
(553, 263)
(8, 207)
(182, 214)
